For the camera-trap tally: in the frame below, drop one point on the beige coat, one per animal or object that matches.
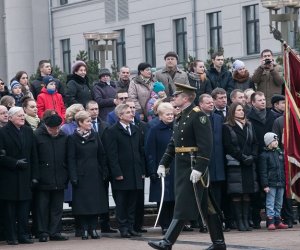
(164, 77)
(139, 91)
(268, 81)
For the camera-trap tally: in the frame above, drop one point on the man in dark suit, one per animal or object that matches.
(220, 102)
(100, 126)
(18, 174)
(126, 162)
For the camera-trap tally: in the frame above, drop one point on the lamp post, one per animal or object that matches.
(103, 48)
(283, 18)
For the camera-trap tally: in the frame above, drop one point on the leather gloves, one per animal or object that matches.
(22, 164)
(247, 160)
(195, 176)
(162, 171)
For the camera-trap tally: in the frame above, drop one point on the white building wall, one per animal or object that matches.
(3, 75)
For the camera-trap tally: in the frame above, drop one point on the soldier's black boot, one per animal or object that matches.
(216, 232)
(170, 236)
(238, 212)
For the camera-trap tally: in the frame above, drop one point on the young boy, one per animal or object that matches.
(49, 98)
(271, 168)
(16, 92)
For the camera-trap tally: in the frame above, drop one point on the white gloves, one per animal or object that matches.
(195, 176)
(162, 171)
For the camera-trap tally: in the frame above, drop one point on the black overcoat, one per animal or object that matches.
(15, 184)
(125, 156)
(240, 179)
(52, 159)
(86, 165)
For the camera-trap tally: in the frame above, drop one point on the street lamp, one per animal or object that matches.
(284, 19)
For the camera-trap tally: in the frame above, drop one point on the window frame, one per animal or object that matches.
(121, 43)
(255, 23)
(218, 28)
(149, 41)
(66, 64)
(180, 24)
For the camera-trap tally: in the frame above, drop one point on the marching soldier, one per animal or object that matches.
(191, 145)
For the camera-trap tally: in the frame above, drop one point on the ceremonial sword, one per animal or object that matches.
(161, 198)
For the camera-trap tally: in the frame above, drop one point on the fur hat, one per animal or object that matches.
(143, 66)
(158, 86)
(171, 54)
(276, 98)
(104, 72)
(269, 138)
(15, 84)
(76, 65)
(237, 64)
(53, 121)
(48, 79)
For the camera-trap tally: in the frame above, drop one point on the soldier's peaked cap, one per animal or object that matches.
(183, 88)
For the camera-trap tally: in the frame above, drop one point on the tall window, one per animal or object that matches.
(252, 29)
(149, 35)
(121, 51)
(215, 30)
(66, 55)
(181, 39)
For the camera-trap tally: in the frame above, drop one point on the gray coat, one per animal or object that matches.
(164, 77)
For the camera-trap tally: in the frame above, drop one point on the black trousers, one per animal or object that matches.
(16, 219)
(166, 214)
(139, 210)
(49, 211)
(125, 208)
(88, 222)
(104, 217)
(217, 188)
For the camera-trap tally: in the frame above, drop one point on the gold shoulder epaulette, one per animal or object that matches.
(196, 109)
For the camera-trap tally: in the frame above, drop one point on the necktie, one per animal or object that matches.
(94, 126)
(128, 130)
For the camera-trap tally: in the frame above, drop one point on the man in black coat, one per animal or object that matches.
(127, 166)
(53, 177)
(18, 173)
(99, 127)
(192, 137)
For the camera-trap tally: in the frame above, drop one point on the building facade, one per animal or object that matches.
(147, 30)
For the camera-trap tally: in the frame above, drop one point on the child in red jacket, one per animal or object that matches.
(49, 98)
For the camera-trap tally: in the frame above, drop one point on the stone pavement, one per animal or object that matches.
(255, 240)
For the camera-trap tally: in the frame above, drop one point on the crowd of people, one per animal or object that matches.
(67, 142)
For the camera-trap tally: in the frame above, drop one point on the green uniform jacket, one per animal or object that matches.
(191, 129)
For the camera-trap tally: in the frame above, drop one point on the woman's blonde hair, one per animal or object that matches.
(164, 106)
(81, 116)
(72, 110)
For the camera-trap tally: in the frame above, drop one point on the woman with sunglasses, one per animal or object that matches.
(3, 88)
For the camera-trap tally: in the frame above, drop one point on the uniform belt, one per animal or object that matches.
(185, 149)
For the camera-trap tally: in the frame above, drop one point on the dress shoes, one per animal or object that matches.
(141, 230)
(94, 235)
(58, 237)
(187, 229)
(217, 246)
(12, 242)
(84, 235)
(160, 245)
(125, 234)
(26, 241)
(134, 233)
(43, 238)
(109, 230)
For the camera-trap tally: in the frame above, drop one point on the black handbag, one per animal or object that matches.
(232, 161)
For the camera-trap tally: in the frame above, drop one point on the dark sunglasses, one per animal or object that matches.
(2, 83)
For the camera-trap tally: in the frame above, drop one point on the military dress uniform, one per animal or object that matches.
(192, 136)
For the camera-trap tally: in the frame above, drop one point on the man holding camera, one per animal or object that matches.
(267, 77)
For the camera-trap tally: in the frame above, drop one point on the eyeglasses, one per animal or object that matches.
(2, 83)
(123, 98)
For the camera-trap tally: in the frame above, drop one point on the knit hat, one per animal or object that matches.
(276, 98)
(76, 65)
(269, 138)
(158, 86)
(53, 121)
(143, 66)
(237, 64)
(15, 84)
(171, 54)
(48, 79)
(104, 72)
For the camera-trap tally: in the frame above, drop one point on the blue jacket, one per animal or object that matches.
(156, 144)
(216, 165)
(271, 168)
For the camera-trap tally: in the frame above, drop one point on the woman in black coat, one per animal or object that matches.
(86, 163)
(18, 172)
(157, 140)
(78, 89)
(240, 147)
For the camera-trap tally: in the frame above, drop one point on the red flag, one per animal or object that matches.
(292, 124)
